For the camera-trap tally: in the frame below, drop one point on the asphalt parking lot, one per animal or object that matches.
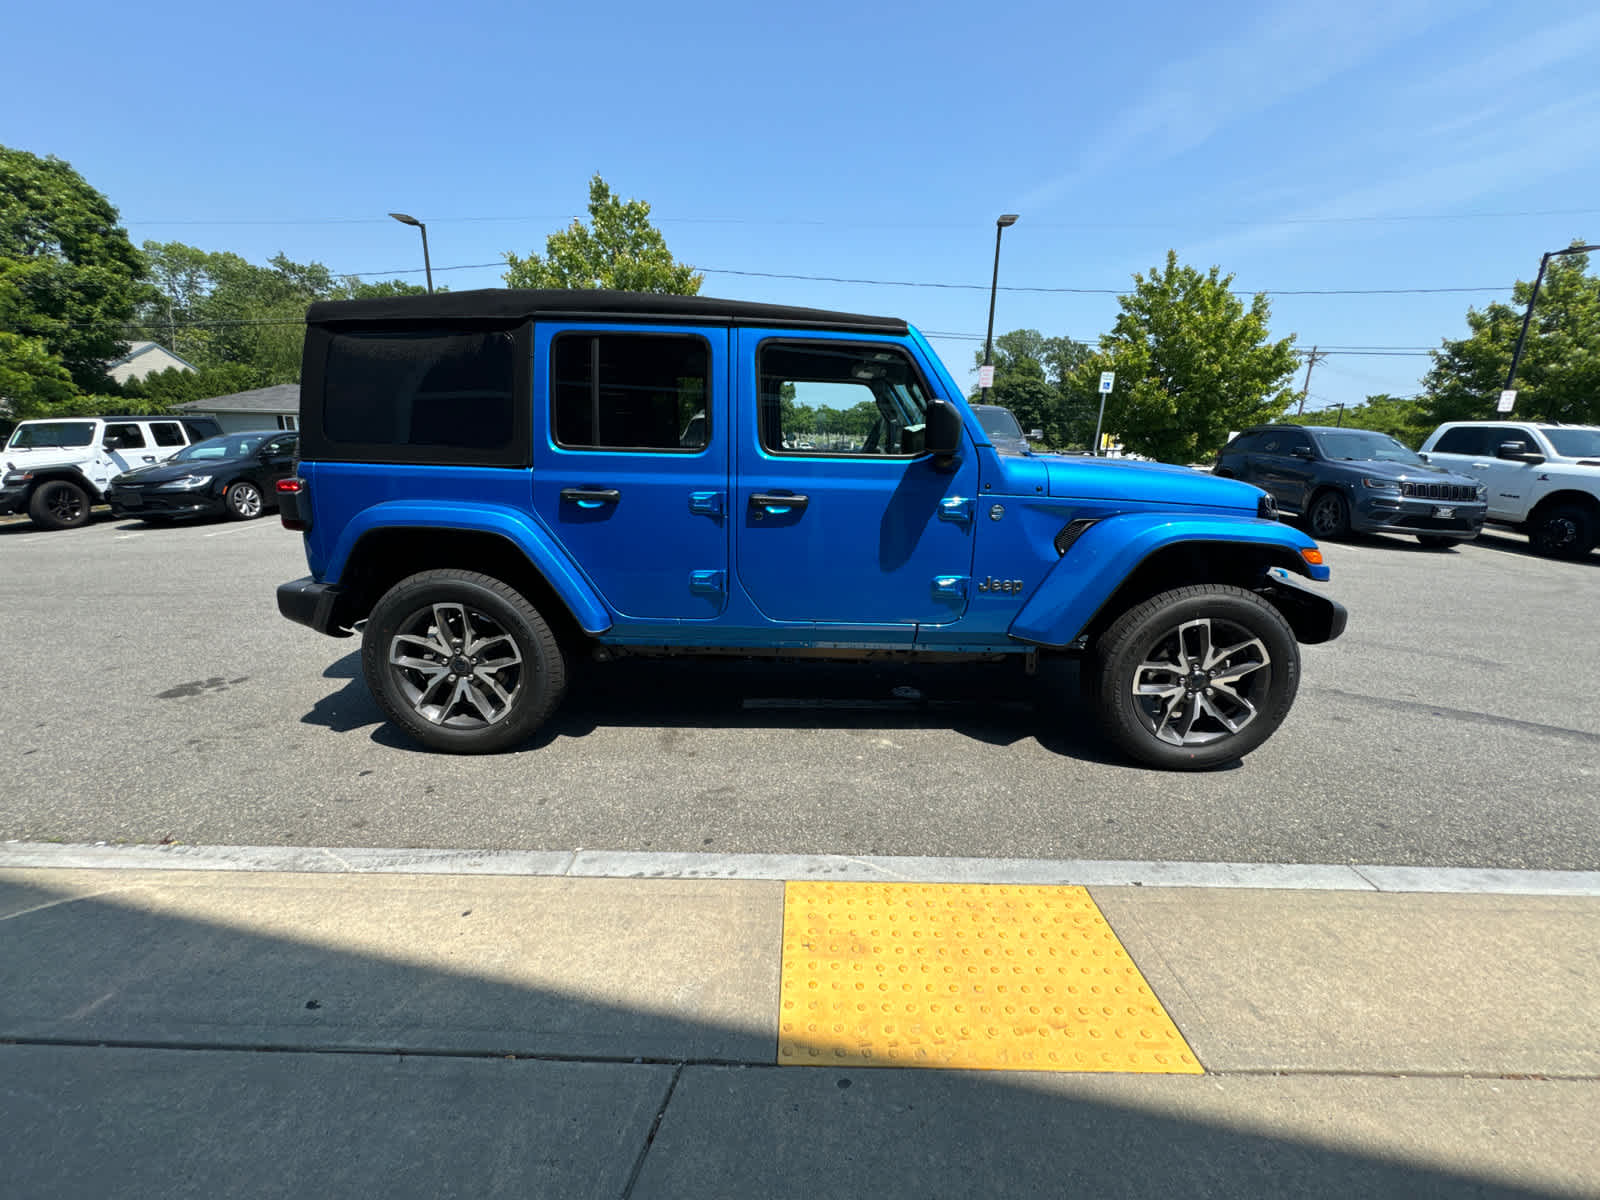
(153, 693)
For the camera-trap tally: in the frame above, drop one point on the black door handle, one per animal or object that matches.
(778, 505)
(591, 497)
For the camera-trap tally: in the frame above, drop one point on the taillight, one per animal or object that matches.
(293, 510)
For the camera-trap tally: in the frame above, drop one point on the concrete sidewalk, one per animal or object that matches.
(480, 1035)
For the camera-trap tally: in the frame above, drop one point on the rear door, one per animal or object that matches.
(837, 513)
(631, 462)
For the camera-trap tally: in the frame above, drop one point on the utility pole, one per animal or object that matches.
(1311, 360)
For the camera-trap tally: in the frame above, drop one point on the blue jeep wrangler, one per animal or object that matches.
(495, 485)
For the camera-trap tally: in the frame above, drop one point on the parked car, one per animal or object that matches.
(1541, 478)
(1344, 480)
(493, 488)
(56, 469)
(1000, 423)
(234, 475)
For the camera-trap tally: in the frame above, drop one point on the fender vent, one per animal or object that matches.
(1071, 532)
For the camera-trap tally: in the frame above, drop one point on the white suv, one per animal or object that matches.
(1543, 478)
(56, 469)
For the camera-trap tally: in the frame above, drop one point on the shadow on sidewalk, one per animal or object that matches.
(137, 1069)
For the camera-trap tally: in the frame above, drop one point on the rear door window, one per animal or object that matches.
(628, 391)
(167, 433)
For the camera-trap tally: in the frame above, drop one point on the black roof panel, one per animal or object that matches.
(511, 304)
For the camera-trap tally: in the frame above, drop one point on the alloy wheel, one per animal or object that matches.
(1201, 682)
(456, 667)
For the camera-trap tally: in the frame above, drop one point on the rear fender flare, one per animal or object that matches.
(563, 576)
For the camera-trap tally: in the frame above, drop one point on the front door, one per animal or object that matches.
(631, 462)
(837, 510)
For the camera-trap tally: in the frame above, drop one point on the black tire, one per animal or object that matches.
(1562, 531)
(242, 501)
(1329, 516)
(1184, 726)
(58, 504)
(445, 694)
(1434, 541)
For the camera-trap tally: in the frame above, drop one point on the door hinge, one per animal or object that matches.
(708, 583)
(957, 509)
(708, 504)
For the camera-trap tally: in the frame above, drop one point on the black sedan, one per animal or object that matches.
(1339, 480)
(234, 475)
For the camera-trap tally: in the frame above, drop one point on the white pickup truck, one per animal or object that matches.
(1543, 479)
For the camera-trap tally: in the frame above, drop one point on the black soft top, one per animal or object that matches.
(508, 305)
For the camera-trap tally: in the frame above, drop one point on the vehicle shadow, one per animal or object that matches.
(996, 704)
(196, 1042)
(1515, 543)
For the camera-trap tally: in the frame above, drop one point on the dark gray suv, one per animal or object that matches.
(1343, 480)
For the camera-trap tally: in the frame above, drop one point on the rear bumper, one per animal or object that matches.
(309, 603)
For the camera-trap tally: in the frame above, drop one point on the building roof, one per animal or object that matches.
(135, 349)
(517, 304)
(280, 398)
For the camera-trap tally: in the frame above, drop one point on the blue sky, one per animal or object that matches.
(1364, 144)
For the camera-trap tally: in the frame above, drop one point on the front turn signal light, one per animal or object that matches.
(1312, 556)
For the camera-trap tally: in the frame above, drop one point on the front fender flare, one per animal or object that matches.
(1083, 579)
(519, 528)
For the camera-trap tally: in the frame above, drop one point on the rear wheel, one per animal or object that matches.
(58, 504)
(462, 662)
(1329, 516)
(1562, 531)
(1195, 677)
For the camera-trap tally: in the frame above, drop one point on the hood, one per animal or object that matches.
(1086, 478)
(35, 458)
(1402, 472)
(165, 472)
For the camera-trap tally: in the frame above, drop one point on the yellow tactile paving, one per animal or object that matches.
(984, 977)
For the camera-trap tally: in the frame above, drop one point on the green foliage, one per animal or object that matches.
(32, 380)
(619, 249)
(1192, 363)
(69, 276)
(1035, 377)
(1558, 378)
(353, 288)
(174, 386)
(1407, 421)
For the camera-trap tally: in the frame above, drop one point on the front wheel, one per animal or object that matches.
(58, 504)
(243, 500)
(462, 662)
(1329, 517)
(1195, 677)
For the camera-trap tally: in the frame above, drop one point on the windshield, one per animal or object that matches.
(999, 420)
(233, 445)
(1362, 445)
(51, 433)
(1575, 443)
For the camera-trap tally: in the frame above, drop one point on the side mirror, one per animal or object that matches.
(943, 436)
(1517, 452)
(1423, 455)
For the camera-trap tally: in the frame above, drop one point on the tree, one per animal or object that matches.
(32, 380)
(1192, 363)
(1033, 377)
(1558, 378)
(619, 249)
(1404, 420)
(69, 276)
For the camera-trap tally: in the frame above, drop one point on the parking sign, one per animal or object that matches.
(1107, 378)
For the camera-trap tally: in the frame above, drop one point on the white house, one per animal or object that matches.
(144, 358)
(276, 407)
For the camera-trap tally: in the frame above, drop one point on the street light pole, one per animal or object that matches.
(427, 266)
(1516, 355)
(1000, 224)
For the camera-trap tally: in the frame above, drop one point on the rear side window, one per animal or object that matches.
(123, 437)
(166, 433)
(624, 391)
(1464, 439)
(418, 396)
